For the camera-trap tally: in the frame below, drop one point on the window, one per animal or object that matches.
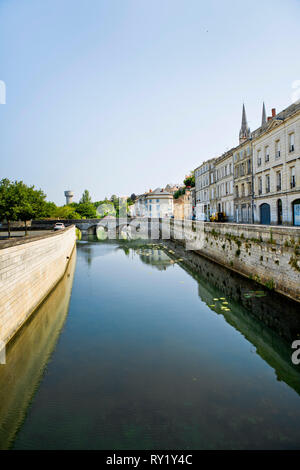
(237, 191)
(249, 167)
(267, 154)
(260, 185)
(243, 189)
(277, 148)
(267, 183)
(291, 142)
(249, 188)
(278, 180)
(258, 158)
(293, 177)
(248, 151)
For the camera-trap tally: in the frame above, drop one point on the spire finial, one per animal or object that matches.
(264, 116)
(245, 130)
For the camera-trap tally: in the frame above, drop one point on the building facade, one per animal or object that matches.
(276, 163)
(259, 180)
(223, 187)
(157, 203)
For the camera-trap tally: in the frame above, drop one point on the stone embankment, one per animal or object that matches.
(29, 270)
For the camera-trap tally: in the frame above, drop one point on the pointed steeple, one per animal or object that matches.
(264, 116)
(245, 130)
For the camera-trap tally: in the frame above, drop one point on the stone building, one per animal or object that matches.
(183, 206)
(266, 174)
(276, 168)
(224, 185)
(204, 177)
(157, 203)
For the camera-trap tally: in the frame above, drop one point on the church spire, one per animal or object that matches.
(264, 116)
(245, 130)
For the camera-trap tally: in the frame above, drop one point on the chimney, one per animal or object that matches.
(269, 118)
(273, 112)
(150, 190)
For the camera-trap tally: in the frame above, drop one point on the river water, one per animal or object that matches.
(138, 349)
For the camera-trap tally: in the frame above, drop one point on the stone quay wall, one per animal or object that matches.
(29, 269)
(269, 255)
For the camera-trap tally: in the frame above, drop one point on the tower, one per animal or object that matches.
(69, 197)
(264, 116)
(245, 130)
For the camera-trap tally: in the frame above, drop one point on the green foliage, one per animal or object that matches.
(179, 193)
(86, 210)
(190, 180)
(20, 202)
(85, 198)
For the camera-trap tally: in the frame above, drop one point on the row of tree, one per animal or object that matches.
(21, 202)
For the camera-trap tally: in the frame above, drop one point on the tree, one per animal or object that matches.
(20, 202)
(133, 197)
(190, 180)
(87, 210)
(8, 202)
(85, 198)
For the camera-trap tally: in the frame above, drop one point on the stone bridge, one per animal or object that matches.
(90, 226)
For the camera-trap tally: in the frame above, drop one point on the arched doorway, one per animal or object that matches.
(279, 212)
(265, 214)
(296, 212)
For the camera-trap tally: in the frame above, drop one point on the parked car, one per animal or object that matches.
(59, 226)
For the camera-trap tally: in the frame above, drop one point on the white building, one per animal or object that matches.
(276, 165)
(157, 203)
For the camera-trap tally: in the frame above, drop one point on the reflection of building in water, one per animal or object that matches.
(27, 356)
(266, 319)
(156, 258)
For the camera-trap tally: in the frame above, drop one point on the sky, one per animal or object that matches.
(123, 96)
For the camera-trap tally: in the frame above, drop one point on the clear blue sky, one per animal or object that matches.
(120, 96)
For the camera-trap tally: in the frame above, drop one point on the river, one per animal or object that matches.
(137, 349)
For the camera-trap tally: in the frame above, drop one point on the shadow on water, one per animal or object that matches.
(27, 356)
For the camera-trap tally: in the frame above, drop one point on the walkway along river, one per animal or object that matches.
(156, 348)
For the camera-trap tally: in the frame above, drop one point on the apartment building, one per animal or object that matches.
(223, 187)
(276, 168)
(262, 185)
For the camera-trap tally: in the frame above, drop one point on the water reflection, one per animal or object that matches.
(28, 354)
(164, 349)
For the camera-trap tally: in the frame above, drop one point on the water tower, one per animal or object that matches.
(69, 197)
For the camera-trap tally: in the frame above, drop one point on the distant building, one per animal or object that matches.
(157, 203)
(183, 205)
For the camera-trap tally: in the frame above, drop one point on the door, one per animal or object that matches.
(265, 215)
(296, 212)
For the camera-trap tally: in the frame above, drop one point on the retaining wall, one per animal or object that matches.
(29, 269)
